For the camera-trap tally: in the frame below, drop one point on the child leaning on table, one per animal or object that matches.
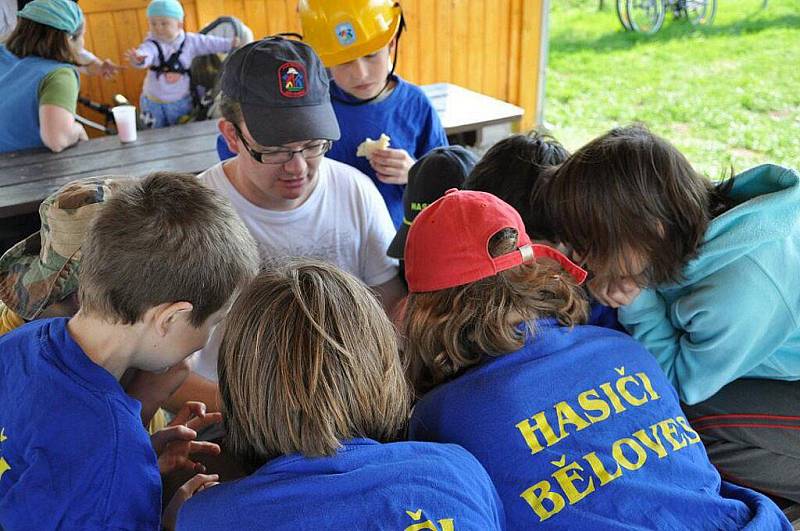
(159, 264)
(168, 52)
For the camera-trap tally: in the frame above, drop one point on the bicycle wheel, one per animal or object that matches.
(646, 16)
(700, 12)
(622, 14)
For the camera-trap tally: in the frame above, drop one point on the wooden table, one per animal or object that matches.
(468, 113)
(27, 177)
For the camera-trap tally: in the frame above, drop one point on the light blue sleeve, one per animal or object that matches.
(726, 326)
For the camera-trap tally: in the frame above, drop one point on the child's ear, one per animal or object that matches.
(229, 134)
(168, 314)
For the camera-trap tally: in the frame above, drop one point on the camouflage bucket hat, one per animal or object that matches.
(43, 268)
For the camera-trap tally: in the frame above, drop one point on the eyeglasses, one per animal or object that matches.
(282, 156)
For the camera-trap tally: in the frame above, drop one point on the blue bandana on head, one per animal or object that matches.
(64, 15)
(165, 8)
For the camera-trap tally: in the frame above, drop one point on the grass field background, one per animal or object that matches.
(727, 95)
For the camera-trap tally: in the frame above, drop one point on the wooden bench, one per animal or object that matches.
(27, 177)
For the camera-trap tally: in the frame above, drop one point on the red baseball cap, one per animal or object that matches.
(448, 243)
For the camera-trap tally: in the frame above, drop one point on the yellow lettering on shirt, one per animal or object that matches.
(657, 446)
(599, 469)
(648, 386)
(690, 433)
(612, 397)
(590, 401)
(446, 524)
(622, 389)
(669, 431)
(540, 425)
(566, 415)
(537, 501)
(620, 457)
(4, 466)
(567, 477)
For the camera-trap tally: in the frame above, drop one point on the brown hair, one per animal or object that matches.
(511, 169)
(164, 239)
(450, 330)
(32, 38)
(630, 191)
(309, 359)
(231, 110)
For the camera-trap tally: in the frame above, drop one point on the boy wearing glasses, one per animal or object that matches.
(278, 119)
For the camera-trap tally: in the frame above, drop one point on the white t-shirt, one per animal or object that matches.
(344, 221)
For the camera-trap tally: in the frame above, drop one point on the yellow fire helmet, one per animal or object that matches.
(344, 30)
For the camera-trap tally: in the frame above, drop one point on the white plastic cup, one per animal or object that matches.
(125, 118)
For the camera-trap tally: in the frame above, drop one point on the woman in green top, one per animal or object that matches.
(38, 78)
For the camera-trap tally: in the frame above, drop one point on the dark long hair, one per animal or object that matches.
(512, 168)
(630, 190)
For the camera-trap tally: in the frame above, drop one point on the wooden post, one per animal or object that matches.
(532, 64)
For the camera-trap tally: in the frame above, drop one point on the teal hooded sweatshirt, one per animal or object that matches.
(736, 313)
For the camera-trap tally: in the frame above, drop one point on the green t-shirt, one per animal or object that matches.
(60, 88)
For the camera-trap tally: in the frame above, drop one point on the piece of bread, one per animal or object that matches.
(369, 146)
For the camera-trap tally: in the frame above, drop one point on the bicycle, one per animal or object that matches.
(647, 16)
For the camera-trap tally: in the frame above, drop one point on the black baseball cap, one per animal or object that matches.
(282, 88)
(429, 178)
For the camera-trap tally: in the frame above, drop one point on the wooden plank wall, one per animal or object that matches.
(490, 46)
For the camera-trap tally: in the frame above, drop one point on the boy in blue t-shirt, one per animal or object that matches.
(317, 404)
(159, 264)
(356, 40)
(576, 425)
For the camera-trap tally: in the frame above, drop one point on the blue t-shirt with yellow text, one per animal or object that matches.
(366, 485)
(73, 451)
(580, 429)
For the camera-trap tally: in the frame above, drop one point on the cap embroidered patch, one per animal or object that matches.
(345, 33)
(292, 80)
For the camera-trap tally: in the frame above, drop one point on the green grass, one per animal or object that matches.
(725, 95)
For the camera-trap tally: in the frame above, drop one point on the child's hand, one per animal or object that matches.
(391, 165)
(176, 442)
(134, 57)
(187, 490)
(109, 69)
(614, 293)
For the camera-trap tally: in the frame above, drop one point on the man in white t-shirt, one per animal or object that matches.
(278, 118)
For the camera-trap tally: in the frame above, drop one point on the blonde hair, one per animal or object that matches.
(450, 330)
(309, 359)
